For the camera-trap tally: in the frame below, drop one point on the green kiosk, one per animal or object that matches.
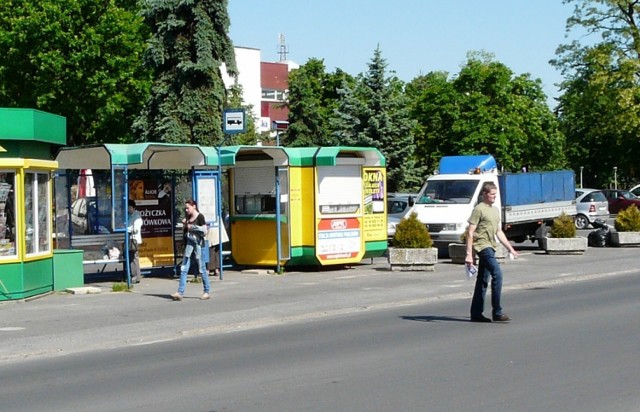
(27, 258)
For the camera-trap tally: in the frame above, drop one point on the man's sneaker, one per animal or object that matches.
(176, 296)
(480, 319)
(205, 296)
(501, 318)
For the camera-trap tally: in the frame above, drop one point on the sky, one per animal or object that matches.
(415, 36)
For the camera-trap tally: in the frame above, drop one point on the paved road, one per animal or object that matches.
(63, 324)
(572, 346)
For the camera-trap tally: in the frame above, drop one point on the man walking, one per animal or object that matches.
(484, 227)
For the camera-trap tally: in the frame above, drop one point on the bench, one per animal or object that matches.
(93, 246)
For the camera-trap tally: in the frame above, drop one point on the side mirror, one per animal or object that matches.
(411, 200)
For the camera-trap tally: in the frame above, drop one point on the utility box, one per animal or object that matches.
(68, 270)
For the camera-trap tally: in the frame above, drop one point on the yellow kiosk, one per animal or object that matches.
(329, 203)
(26, 242)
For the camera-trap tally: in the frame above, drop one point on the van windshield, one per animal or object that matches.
(448, 191)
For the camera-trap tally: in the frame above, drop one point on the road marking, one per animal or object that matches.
(11, 329)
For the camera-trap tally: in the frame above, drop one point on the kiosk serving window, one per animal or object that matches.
(37, 216)
(7, 214)
(255, 190)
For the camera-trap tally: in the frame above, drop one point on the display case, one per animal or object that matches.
(7, 214)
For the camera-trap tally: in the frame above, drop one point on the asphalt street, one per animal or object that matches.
(62, 323)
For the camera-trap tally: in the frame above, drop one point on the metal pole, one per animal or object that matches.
(278, 234)
(615, 177)
(581, 169)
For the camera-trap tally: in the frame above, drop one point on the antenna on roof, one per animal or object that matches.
(283, 50)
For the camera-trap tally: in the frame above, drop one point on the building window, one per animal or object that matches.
(275, 95)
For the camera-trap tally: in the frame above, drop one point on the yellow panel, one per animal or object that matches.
(302, 203)
(254, 242)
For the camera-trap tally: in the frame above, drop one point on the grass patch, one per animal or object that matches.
(121, 287)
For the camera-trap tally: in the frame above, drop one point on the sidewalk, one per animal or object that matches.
(61, 323)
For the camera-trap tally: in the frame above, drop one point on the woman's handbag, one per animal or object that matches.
(133, 244)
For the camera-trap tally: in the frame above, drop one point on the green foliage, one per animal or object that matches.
(628, 220)
(563, 227)
(189, 44)
(412, 234)
(485, 109)
(81, 59)
(121, 287)
(313, 96)
(599, 109)
(374, 113)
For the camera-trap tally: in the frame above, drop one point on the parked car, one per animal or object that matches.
(398, 205)
(620, 199)
(635, 190)
(591, 204)
(87, 218)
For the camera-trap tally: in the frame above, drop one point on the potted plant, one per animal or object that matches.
(562, 239)
(627, 227)
(412, 246)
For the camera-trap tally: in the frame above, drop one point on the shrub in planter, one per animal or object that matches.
(562, 238)
(412, 234)
(627, 228)
(628, 220)
(563, 227)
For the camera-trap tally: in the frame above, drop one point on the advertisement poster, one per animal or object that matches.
(154, 201)
(375, 222)
(338, 239)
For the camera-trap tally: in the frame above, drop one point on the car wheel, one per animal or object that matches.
(581, 222)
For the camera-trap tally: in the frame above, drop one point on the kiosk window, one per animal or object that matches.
(7, 214)
(37, 216)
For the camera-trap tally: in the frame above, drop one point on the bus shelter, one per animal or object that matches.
(306, 206)
(147, 173)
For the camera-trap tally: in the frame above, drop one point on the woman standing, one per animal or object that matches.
(135, 240)
(194, 226)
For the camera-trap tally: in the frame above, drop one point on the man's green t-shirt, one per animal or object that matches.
(486, 218)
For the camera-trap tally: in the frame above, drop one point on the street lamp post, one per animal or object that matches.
(581, 169)
(615, 177)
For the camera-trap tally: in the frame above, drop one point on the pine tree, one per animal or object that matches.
(188, 46)
(375, 113)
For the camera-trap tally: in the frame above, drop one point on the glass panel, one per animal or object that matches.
(43, 217)
(30, 204)
(7, 214)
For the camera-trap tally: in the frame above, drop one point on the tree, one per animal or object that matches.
(599, 110)
(313, 96)
(374, 113)
(188, 46)
(80, 59)
(486, 109)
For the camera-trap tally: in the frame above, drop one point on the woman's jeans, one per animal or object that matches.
(196, 251)
(488, 266)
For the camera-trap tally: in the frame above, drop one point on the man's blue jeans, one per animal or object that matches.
(488, 267)
(196, 251)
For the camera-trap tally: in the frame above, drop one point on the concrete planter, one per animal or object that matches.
(412, 259)
(458, 252)
(625, 239)
(564, 246)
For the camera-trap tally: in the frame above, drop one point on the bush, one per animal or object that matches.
(412, 234)
(628, 220)
(563, 226)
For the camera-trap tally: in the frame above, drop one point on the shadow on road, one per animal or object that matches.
(436, 318)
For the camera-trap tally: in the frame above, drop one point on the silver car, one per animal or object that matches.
(591, 204)
(398, 205)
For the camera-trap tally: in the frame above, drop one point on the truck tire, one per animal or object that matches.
(581, 221)
(544, 232)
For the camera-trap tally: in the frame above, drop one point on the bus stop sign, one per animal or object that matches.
(234, 121)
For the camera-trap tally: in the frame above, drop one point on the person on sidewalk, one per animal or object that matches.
(194, 226)
(135, 240)
(484, 227)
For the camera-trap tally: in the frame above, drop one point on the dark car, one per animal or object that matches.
(620, 199)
